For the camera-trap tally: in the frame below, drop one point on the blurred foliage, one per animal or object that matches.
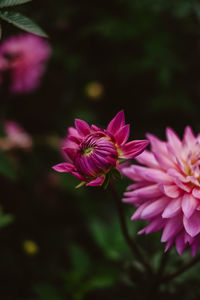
(142, 56)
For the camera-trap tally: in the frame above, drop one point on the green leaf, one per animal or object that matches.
(0, 31)
(5, 220)
(6, 167)
(7, 3)
(22, 22)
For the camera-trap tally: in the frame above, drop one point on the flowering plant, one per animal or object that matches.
(92, 152)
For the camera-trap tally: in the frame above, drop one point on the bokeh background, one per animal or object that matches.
(142, 56)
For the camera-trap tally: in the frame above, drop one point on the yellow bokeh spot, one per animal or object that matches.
(94, 90)
(30, 247)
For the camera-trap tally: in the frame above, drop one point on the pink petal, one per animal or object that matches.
(82, 127)
(192, 225)
(172, 209)
(155, 225)
(170, 190)
(156, 144)
(96, 182)
(164, 161)
(172, 227)
(133, 148)
(95, 128)
(195, 246)
(64, 167)
(188, 137)
(147, 192)
(79, 176)
(137, 213)
(189, 204)
(180, 243)
(173, 140)
(196, 192)
(116, 123)
(155, 208)
(151, 175)
(122, 135)
(147, 158)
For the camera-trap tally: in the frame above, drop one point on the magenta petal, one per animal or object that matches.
(82, 127)
(172, 227)
(79, 176)
(151, 175)
(192, 225)
(151, 191)
(188, 137)
(171, 191)
(155, 208)
(196, 192)
(64, 168)
(96, 182)
(155, 225)
(122, 135)
(172, 209)
(180, 243)
(116, 123)
(133, 148)
(147, 158)
(189, 205)
(173, 140)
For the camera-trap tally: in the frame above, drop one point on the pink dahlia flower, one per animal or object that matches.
(16, 137)
(23, 59)
(166, 191)
(92, 152)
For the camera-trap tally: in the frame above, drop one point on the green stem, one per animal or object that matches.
(124, 229)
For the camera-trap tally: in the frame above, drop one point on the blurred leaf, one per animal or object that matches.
(5, 220)
(6, 167)
(46, 291)
(80, 260)
(0, 31)
(22, 22)
(7, 3)
(110, 239)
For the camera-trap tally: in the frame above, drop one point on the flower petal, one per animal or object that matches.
(188, 137)
(155, 208)
(151, 175)
(171, 191)
(172, 227)
(147, 158)
(172, 209)
(82, 127)
(116, 123)
(64, 168)
(122, 135)
(192, 225)
(189, 204)
(96, 182)
(133, 148)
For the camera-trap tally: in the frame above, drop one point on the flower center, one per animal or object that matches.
(87, 151)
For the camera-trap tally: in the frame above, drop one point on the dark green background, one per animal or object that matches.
(146, 55)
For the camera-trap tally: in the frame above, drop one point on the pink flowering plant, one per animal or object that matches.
(23, 60)
(166, 188)
(91, 152)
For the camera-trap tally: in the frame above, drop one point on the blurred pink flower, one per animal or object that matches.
(92, 152)
(167, 189)
(23, 58)
(16, 137)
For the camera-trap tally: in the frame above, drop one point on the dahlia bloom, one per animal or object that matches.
(16, 137)
(166, 191)
(23, 59)
(92, 152)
